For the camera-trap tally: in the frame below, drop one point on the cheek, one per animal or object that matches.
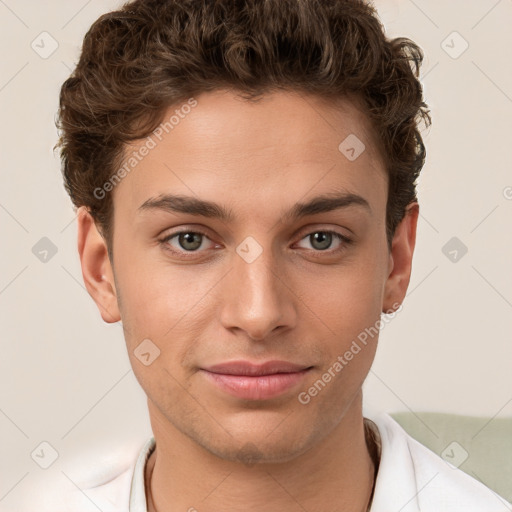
(161, 306)
(146, 288)
(349, 308)
(348, 299)
(163, 303)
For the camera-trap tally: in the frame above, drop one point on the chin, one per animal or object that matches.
(250, 448)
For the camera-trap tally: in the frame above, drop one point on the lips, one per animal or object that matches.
(253, 369)
(252, 381)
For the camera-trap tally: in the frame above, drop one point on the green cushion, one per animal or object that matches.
(480, 446)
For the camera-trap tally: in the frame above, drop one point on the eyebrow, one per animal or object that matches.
(193, 206)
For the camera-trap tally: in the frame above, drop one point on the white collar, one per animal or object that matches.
(411, 478)
(137, 490)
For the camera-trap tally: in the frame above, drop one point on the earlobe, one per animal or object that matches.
(96, 268)
(400, 266)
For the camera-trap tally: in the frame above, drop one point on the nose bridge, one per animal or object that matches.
(256, 300)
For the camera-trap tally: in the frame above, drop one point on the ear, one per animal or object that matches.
(400, 260)
(96, 268)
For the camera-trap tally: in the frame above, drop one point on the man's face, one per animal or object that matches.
(260, 286)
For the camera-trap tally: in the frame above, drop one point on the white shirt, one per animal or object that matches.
(411, 478)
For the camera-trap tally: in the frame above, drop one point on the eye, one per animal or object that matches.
(322, 240)
(187, 242)
(183, 242)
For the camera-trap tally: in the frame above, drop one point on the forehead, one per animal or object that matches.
(219, 146)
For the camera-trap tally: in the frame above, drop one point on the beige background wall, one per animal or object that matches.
(65, 376)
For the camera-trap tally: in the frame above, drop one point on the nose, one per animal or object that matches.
(257, 299)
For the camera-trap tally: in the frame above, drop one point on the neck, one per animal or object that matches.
(336, 473)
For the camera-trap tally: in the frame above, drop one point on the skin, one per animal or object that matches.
(295, 302)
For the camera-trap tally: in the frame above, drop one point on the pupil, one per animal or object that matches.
(323, 238)
(190, 241)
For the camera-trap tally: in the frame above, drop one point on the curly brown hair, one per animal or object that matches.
(151, 54)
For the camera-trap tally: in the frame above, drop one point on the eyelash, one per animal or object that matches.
(345, 241)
